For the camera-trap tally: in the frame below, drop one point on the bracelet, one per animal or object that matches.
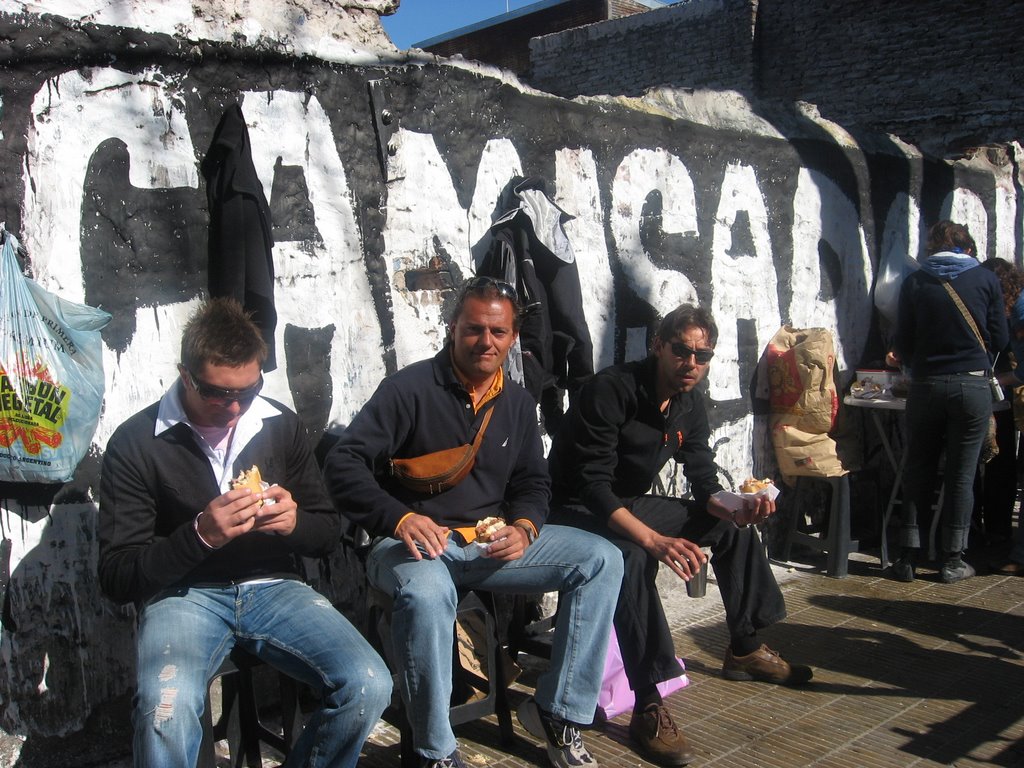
(531, 533)
(195, 527)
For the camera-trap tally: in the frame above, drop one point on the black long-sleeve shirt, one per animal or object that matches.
(933, 338)
(424, 408)
(153, 486)
(615, 440)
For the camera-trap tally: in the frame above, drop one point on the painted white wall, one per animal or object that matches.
(578, 193)
(72, 115)
(641, 172)
(324, 282)
(746, 285)
(823, 213)
(334, 31)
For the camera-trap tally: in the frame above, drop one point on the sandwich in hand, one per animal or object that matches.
(251, 479)
(753, 485)
(487, 529)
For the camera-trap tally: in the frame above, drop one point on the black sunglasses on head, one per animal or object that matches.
(213, 394)
(683, 352)
(505, 290)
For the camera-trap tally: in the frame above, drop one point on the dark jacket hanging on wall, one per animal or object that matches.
(240, 246)
(555, 340)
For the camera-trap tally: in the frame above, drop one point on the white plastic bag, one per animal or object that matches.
(51, 377)
(896, 265)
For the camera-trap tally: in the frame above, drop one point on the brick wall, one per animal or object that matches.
(702, 42)
(507, 44)
(944, 68)
(944, 72)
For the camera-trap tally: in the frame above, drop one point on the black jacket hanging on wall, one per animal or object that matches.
(530, 250)
(240, 246)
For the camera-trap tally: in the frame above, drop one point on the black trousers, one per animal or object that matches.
(751, 596)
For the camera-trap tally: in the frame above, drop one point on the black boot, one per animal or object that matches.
(903, 568)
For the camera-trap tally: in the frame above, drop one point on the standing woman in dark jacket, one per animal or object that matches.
(996, 487)
(950, 400)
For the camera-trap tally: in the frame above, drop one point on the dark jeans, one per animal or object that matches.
(750, 594)
(944, 413)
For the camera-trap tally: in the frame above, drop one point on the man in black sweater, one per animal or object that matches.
(209, 567)
(426, 549)
(628, 421)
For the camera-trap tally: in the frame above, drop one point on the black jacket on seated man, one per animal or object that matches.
(625, 425)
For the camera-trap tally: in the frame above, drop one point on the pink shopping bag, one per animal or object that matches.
(616, 696)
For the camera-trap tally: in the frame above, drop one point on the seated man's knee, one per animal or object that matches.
(432, 589)
(607, 558)
(377, 685)
(167, 698)
(635, 559)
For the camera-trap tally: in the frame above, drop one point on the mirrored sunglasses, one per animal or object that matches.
(212, 394)
(683, 352)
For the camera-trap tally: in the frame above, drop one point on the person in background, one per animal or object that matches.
(997, 481)
(426, 548)
(210, 568)
(950, 400)
(1014, 564)
(625, 425)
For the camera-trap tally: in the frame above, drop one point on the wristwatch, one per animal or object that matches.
(531, 534)
(737, 524)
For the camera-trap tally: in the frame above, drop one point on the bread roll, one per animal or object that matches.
(753, 485)
(488, 528)
(249, 478)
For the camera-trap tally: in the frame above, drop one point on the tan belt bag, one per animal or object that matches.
(438, 471)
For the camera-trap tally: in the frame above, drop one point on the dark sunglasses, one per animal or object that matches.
(213, 394)
(684, 352)
(505, 290)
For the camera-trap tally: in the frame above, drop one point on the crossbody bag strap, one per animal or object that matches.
(964, 311)
(483, 428)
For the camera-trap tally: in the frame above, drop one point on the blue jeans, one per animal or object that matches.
(586, 569)
(944, 414)
(185, 634)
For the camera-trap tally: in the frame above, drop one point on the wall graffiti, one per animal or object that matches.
(99, 170)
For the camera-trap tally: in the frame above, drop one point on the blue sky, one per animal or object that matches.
(418, 20)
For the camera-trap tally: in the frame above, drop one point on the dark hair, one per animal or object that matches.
(1011, 280)
(489, 289)
(947, 236)
(688, 316)
(220, 332)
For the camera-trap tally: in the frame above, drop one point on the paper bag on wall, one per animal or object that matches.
(801, 383)
(805, 453)
(799, 368)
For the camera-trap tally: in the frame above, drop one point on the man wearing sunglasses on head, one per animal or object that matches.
(425, 549)
(628, 421)
(210, 568)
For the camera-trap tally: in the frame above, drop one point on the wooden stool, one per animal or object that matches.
(240, 722)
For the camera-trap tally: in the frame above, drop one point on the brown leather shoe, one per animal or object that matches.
(1009, 568)
(766, 666)
(657, 737)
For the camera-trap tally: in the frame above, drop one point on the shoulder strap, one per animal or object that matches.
(963, 310)
(483, 428)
